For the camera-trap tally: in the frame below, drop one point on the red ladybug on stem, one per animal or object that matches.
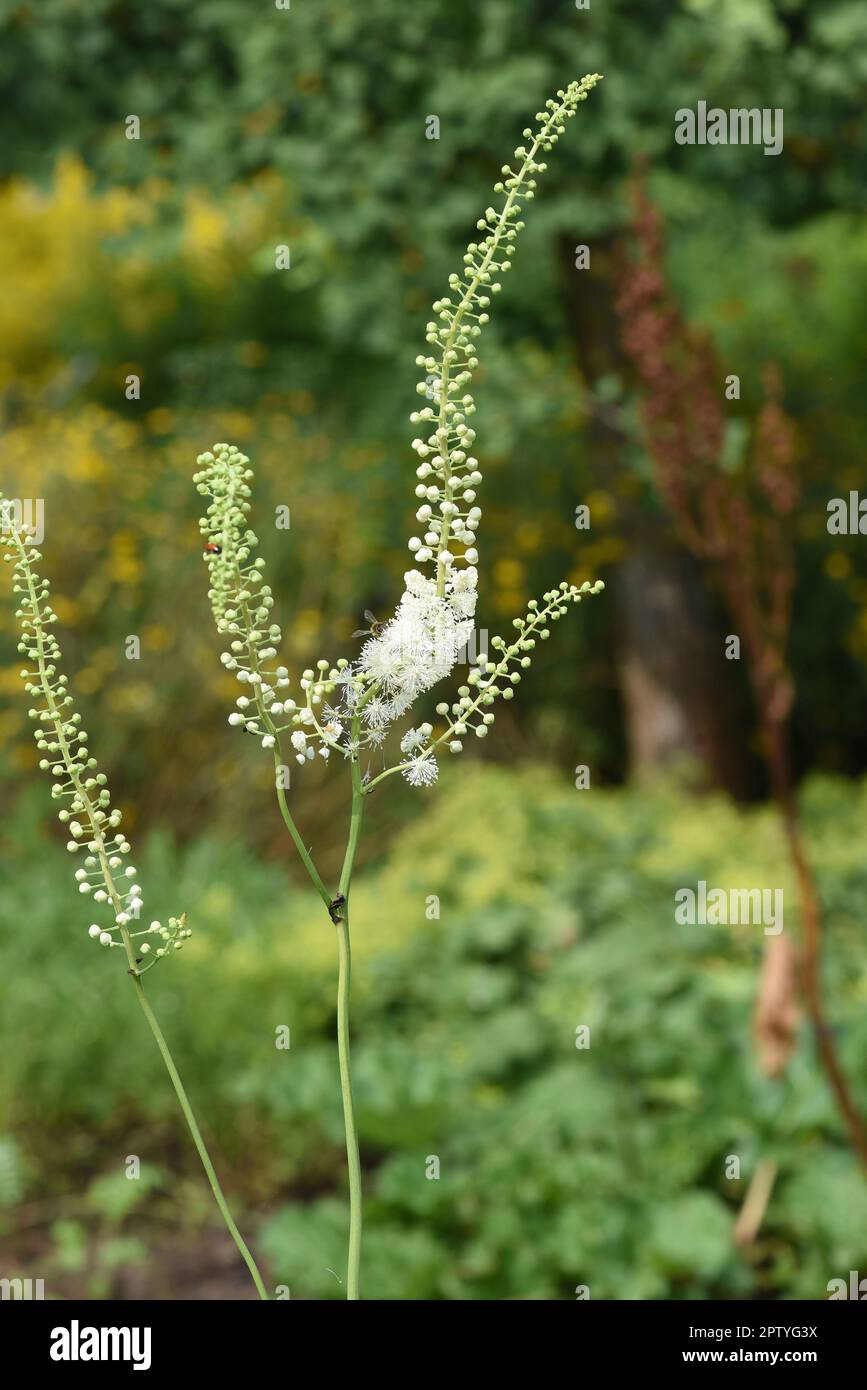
(212, 549)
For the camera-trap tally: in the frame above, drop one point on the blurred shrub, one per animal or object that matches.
(559, 1166)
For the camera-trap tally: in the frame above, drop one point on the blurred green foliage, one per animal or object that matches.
(559, 1166)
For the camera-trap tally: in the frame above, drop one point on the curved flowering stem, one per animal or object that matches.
(59, 735)
(447, 471)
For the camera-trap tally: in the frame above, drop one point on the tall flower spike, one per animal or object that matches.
(106, 877)
(242, 602)
(448, 473)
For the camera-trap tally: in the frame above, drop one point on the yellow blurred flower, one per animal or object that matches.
(838, 565)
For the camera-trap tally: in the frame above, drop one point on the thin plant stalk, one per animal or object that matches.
(196, 1134)
(353, 1161)
(338, 910)
(344, 948)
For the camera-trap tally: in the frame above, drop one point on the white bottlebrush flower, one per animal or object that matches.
(448, 472)
(419, 645)
(421, 771)
(377, 713)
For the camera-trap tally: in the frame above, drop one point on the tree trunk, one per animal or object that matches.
(679, 691)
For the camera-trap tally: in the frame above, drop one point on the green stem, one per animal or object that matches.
(343, 984)
(296, 834)
(198, 1140)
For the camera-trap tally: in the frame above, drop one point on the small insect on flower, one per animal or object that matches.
(374, 630)
(211, 549)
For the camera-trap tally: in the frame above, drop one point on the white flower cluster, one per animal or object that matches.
(419, 646)
(448, 473)
(87, 815)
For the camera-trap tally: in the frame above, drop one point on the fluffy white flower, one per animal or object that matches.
(421, 643)
(461, 590)
(412, 740)
(419, 585)
(377, 713)
(422, 771)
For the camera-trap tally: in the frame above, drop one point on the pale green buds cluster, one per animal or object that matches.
(448, 474)
(225, 477)
(87, 814)
(242, 604)
(240, 599)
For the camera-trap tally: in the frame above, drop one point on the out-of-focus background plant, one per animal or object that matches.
(155, 258)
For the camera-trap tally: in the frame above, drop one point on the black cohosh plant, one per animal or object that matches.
(106, 876)
(346, 706)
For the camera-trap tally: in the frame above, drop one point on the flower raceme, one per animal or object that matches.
(106, 876)
(417, 648)
(448, 473)
(352, 704)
